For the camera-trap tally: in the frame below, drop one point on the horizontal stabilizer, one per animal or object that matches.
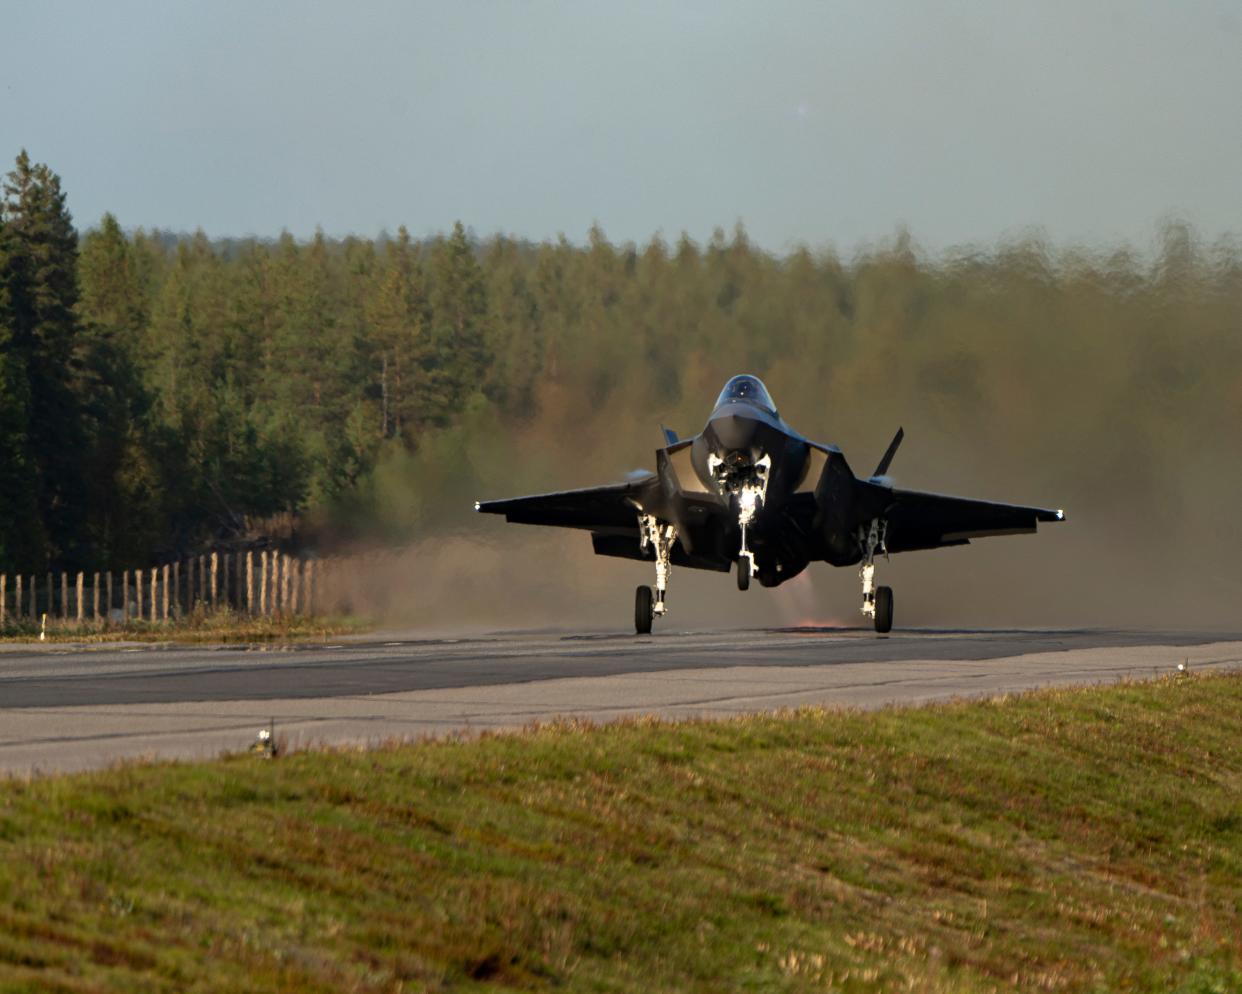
(670, 436)
(881, 469)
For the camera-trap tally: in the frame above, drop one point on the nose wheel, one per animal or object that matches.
(745, 567)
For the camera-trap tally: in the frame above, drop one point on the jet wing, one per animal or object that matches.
(928, 521)
(606, 510)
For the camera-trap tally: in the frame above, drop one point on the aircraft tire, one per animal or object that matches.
(883, 610)
(743, 574)
(642, 611)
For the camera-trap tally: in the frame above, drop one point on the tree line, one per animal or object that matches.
(160, 392)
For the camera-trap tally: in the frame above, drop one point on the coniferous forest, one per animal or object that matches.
(160, 392)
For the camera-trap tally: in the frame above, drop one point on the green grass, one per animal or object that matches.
(199, 626)
(1079, 840)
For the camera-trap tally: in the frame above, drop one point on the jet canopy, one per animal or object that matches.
(746, 389)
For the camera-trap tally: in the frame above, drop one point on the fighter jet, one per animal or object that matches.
(749, 490)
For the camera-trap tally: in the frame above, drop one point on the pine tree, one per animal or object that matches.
(42, 287)
(397, 327)
(126, 510)
(21, 530)
(515, 335)
(458, 356)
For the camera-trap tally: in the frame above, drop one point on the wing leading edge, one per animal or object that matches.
(607, 509)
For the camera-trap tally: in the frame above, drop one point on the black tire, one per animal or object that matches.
(743, 574)
(883, 610)
(642, 611)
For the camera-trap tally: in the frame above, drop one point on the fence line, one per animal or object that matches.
(263, 583)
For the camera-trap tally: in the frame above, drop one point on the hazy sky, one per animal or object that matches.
(825, 123)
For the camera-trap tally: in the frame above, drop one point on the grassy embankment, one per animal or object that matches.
(218, 626)
(1086, 840)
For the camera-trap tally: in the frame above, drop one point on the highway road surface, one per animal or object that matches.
(69, 707)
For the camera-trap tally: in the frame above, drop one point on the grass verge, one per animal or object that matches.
(219, 626)
(1078, 840)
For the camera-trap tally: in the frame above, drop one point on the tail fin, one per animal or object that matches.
(881, 469)
(670, 436)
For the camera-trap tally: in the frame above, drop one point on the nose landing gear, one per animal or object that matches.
(745, 568)
(877, 601)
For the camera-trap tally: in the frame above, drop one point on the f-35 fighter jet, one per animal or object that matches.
(750, 490)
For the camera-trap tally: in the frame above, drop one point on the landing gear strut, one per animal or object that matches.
(749, 503)
(877, 601)
(659, 535)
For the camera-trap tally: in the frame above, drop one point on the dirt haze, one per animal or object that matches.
(1099, 382)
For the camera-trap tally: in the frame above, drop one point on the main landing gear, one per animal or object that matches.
(659, 535)
(877, 601)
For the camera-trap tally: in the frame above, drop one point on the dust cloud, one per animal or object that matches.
(1107, 384)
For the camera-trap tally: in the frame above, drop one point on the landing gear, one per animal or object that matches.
(642, 611)
(659, 535)
(877, 601)
(745, 566)
(746, 482)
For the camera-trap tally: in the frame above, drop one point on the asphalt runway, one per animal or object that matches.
(66, 707)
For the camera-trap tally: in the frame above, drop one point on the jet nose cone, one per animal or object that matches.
(734, 433)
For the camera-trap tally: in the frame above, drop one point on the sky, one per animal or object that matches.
(827, 124)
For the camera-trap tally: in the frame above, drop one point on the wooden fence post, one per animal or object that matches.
(17, 601)
(274, 591)
(176, 590)
(273, 583)
(164, 603)
(64, 595)
(81, 594)
(138, 592)
(270, 564)
(263, 582)
(249, 582)
(95, 597)
(4, 593)
(299, 594)
(108, 609)
(309, 583)
(125, 597)
(214, 578)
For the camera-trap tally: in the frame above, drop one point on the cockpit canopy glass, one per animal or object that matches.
(748, 390)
